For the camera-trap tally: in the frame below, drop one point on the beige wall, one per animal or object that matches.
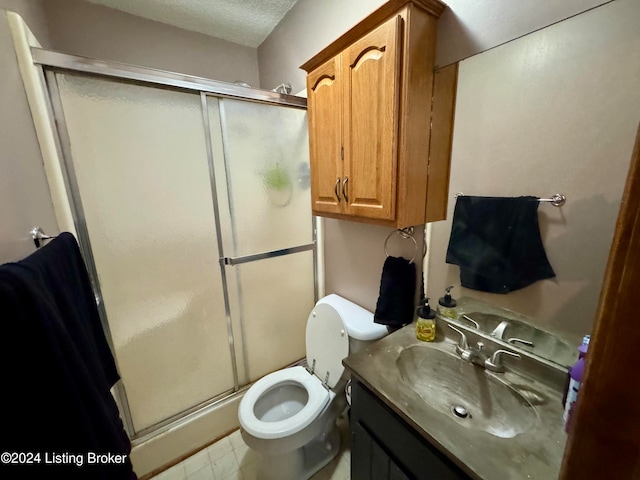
(83, 28)
(354, 257)
(24, 193)
(468, 27)
(554, 112)
(354, 252)
(32, 11)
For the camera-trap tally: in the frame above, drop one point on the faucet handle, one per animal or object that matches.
(520, 340)
(495, 363)
(462, 344)
(469, 319)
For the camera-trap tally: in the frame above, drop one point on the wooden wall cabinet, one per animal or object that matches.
(369, 102)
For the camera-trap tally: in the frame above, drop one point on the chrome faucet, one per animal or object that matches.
(498, 332)
(477, 355)
(473, 355)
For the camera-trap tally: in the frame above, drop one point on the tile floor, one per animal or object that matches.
(231, 459)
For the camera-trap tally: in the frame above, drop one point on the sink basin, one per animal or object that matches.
(467, 394)
(545, 344)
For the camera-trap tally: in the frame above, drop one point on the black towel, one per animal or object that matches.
(496, 242)
(395, 304)
(58, 370)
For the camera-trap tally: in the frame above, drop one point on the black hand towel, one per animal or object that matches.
(496, 242)
(59, 370)
(397, 288)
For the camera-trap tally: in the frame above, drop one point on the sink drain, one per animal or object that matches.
(459, 411)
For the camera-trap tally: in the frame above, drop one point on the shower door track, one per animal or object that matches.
(52, 62)
(75, 63)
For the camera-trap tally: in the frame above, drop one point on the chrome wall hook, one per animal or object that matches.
(39, 236)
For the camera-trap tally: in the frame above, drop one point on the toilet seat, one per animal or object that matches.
(317, 399)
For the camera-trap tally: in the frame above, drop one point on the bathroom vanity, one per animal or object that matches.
(419, 410)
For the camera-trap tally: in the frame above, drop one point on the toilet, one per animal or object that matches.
(289, 416)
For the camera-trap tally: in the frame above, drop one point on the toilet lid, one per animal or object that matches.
(327, 343)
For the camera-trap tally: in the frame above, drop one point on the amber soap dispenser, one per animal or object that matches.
(426, 324)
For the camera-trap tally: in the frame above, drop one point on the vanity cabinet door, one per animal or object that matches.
(386, 447)
(370, 68)
(325, 137)
(395, 473)
(370, 460)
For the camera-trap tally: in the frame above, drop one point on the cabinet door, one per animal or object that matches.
(325, 135)
(409, 455)
(370, 68)
(369, 460)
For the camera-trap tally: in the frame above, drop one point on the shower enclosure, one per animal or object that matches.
(190, 200)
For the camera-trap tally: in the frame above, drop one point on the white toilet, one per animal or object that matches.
(289, 416)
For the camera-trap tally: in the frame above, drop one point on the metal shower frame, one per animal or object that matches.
(50, 63)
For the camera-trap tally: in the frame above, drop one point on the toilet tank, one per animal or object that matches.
(359, 322)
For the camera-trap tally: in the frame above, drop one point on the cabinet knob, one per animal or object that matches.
(337, 189)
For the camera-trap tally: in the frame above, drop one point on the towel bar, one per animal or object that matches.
(557, 200)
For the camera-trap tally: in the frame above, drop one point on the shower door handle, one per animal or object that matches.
(344, 189)
(336, 189)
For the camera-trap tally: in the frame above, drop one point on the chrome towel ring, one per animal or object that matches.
(404, 233)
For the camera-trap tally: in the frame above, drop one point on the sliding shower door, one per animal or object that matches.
(261, 160)
(142, 175)
(194, 215)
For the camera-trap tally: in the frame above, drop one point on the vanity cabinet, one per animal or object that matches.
(369, 106)
(385, 447)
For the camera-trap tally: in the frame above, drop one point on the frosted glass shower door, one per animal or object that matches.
(261, 159)
(140, 161)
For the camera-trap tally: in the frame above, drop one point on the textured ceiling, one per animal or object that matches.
(247, 22)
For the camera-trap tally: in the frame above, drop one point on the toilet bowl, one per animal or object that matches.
(289, 416)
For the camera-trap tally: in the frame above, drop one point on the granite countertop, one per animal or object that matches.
(534, 454)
